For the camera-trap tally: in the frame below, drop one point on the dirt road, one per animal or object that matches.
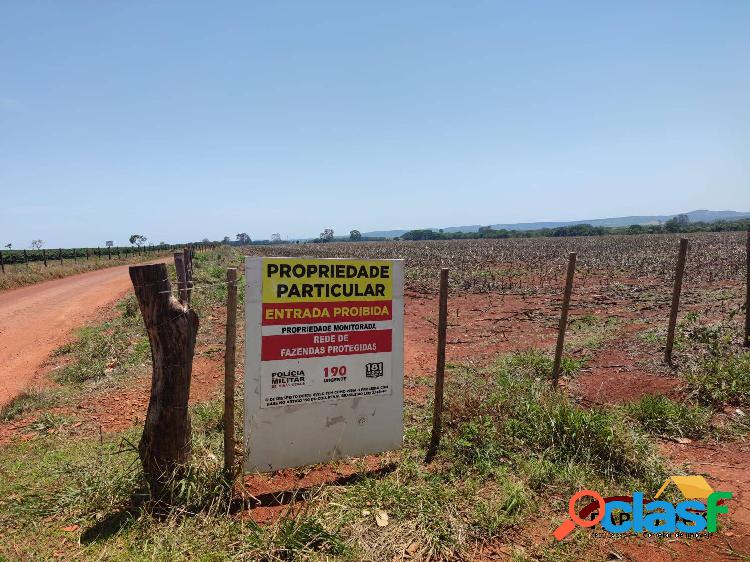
(37, 319)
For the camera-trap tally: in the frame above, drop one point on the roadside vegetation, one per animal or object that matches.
(19, 275)
(117, 349)
(512, 453)
(512, 449)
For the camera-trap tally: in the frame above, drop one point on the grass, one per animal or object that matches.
(535, 364)
(114, 348)
(591, 332)
(511, 448)
(21, 275)
(659, 415)
(90, 500)
(716, 366)
(721, 379)
(512, 451)
(107, 350)
(28, 401)
(711, 359)
(511, 418)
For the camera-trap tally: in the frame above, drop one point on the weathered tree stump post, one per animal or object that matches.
(44, 256)
(172, 330)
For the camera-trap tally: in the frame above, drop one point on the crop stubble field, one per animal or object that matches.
(513, 451)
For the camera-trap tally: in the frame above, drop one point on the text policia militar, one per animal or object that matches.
(293, 272)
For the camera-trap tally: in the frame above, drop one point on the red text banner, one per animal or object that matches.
(304, 346)
(325, 312)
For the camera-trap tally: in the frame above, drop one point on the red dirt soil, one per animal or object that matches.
(36, 320)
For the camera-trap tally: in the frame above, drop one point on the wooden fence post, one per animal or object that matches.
(74, 255)
(747, 292)
(188, 261)
(563, 318)
(229, 367)
(44, 256)
(182, 286)
(437, 413)
(172, 330)
(61, 257)
(2, 263)
(26, 259)
(87, 254)
(676, 290)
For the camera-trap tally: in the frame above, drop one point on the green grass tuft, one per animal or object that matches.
(29, 400)
(504, 416)
(106, 350)
(659, 415)
(721, 379)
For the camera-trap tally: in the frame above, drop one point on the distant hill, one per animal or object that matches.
(694, 216)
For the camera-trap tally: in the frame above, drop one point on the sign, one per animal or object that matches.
(109, 243)
(324, 363)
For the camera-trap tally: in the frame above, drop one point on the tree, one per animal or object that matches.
(9, 246)
(635, 229)
(326, 235)
(276, 238)
(37, 244)
(137, 239)
(243, 239)
(677, 223)
(205, 241)
(355, 235)
(226, 240)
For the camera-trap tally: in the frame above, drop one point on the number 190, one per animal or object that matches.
(334, 371)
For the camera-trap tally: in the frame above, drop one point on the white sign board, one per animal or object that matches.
(324, 360)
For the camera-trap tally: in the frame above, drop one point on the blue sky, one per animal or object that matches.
(184, 120)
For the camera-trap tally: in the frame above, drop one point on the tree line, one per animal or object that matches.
(678, 224)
